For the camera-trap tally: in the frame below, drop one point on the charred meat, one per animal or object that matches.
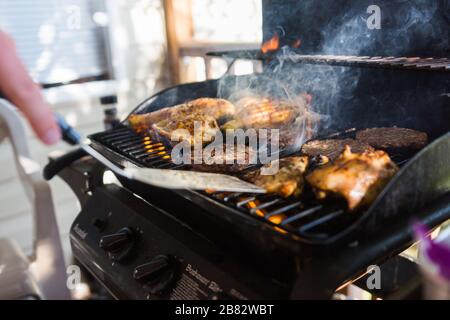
(218, 109)
(263, 113)
(141, 122)
(287, 181)
(179, 122)
(357, 177)
(393, 138)
(332, 148)
(195, 129)
(230, 160)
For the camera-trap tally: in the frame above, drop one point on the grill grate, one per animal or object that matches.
(414, 63)
(305, 217)
(417, 63)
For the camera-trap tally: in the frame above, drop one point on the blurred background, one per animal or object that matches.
(82, 50)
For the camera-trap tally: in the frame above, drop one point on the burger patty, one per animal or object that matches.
(332, 148)
(393, 137)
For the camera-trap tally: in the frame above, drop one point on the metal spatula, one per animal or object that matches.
(178, 179)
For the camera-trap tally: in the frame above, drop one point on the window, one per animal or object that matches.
(203, 26)
(59, 41)
(227, 21)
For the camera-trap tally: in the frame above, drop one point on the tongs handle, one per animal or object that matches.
(69, 134)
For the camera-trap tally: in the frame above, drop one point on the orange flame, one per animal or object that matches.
(253, 205)
(271, 45)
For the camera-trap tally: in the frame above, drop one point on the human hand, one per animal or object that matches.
(17, 86)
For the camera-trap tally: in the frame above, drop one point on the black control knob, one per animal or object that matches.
(119, 244)
(157, 275)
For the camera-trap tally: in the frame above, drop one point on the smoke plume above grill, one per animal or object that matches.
(342, 27)
(282, 89)
(406, 28)
(315, 90)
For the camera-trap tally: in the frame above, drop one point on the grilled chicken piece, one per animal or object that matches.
(145, 121)
(388, 138)
(287, 181)
(218, 109)
(358, 177)
(263, 113)
(226, 162)
(195, 129)
(332, 148)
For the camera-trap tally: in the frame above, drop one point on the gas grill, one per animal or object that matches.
(148, 243)
(306, 221)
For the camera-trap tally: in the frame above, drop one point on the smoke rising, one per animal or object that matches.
(316, 90)
(340, 27)
(408, 28)
(282, 88)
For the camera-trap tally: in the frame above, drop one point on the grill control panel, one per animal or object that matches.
(138, 251)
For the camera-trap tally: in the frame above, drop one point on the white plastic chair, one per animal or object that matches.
(43, 274)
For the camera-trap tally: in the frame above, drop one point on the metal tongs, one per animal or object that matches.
(163, 178)
(176, 179)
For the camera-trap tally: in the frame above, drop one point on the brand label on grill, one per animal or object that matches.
(197, 275)
(194, 286)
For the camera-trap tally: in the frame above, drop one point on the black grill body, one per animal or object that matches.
(212, 261)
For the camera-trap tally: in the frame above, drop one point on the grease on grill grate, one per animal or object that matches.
(305, 217)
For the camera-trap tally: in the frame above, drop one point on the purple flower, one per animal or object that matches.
(437, 253)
